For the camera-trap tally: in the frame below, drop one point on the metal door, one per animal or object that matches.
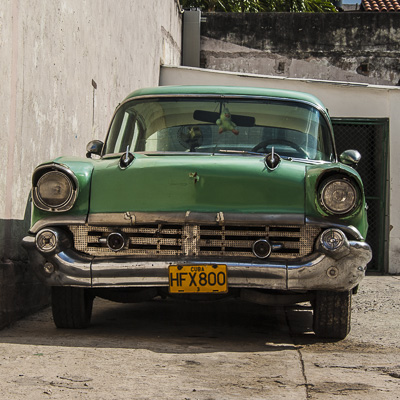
(370, 138)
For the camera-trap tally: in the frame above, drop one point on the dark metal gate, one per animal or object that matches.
(370, 138)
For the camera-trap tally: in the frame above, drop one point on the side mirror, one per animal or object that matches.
(350, 157)
(94, 147)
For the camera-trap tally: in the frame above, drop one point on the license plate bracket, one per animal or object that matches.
(207, 278)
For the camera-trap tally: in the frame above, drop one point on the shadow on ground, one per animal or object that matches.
(173, 327)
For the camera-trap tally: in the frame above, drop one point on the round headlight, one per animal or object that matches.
(54, 191)
(339, 196)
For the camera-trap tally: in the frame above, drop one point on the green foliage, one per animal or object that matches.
(261, 5)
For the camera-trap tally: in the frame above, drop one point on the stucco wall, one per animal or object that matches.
(353, 47)
(342, 100)
(64, 66)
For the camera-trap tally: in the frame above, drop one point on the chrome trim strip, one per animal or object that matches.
(56, 221)
(155, 273)
(348, 229)
(72, 271)
(130, 218)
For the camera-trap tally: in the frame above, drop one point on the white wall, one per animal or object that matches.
(50, 51)
(343, 99)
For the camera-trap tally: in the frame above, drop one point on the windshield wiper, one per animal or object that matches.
(254, 153)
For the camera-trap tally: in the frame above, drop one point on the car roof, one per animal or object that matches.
(225, 91)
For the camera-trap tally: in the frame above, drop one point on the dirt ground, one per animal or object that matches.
(207, 351)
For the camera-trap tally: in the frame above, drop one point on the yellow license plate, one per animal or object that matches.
(198, 279)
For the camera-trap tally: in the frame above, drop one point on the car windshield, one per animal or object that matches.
(209, 125)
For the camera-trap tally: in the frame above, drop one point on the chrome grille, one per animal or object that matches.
(145, 240)
(226, 241)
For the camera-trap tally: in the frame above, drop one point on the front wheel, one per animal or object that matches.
(332, 314)
(71, 306)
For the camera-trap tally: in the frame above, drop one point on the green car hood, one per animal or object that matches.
(203, 183)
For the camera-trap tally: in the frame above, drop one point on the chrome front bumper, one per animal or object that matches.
(324, 270)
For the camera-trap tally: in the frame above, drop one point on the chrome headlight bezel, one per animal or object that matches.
(57, 179)
(338, 195)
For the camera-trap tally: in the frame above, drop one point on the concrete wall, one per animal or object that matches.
(342, 99)
(352, 47)
(65, 65)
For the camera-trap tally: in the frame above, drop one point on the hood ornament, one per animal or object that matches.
(126, 159)
(272, 160)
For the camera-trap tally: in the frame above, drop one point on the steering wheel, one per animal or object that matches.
(265, 143)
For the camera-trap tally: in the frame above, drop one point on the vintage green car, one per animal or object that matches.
(204, 192)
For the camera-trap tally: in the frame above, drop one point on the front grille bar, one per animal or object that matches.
(197, 240)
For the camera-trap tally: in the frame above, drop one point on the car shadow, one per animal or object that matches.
(170, 326)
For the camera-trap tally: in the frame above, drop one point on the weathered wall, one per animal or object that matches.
(65, 65)
(353, 47)
(343, 100)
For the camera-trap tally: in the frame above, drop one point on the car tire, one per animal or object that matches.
(332, 314)
(72, 307)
